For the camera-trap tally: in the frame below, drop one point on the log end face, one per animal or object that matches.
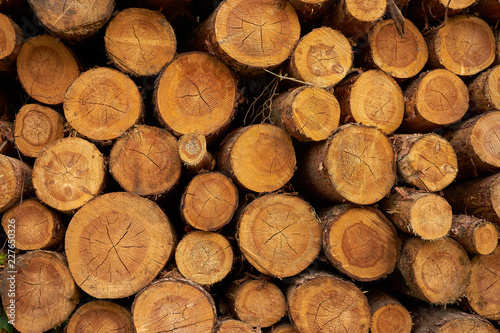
(106, 315)
(431, 217)
(493, 87)
(485, 141)
(8, 37)
(486, 239)
(391, 318)
(16, 177)
(369, 11)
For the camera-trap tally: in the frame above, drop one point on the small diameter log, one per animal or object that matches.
(489, 10)
(140, 41)
(195, 93)
(145, 161)
(306, 113)
(73, 19)
(360, 241)
(209, 201)
(194, 154)
(356, 164)
(434, 320)
(311, 10)
(117, 244)
(422, 214)
(101, 315)
(436, 271)
(68, 173)
(388, 314)
(36, 226)
(399, 56)
(45, 293)
(102, 103)
(249, 35)
(35, 127)
(450, 46)
(233, 326)
(433, 100)
(279, 234)
(259, 158)
(170, 305)
(322, 302)
(257, 302)
(477, 236)
(425, 161)
(282, 328)
(372, 98)
(484, 91)
(46, 68)
(15, 181)
(10, 43)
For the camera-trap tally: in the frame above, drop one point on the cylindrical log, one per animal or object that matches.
(311, 10)
(484, 91)
(102, 103)
(435, 99)
(117, 244)
(100, 315)
(259, 158)
(425, 161)
(194, 154)
(68, 173)
(372, 98)
(15, 181)
(356, 164)
(233, 326)
(35, 127)
(388, 314)
(306, 113)
(433, 320)
(360, 241)
(46, 68)
(279, 234)
(489, 10)
(10, 43)
(170, 305)
(209, 201)
(283, 327)
(42, 290)
(476, 235)
(145, 161)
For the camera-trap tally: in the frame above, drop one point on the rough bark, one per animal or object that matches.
(437, 320)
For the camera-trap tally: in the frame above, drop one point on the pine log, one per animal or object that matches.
(68, 173)
(372, 98)
(306, 113)
(388, 314)
(311, 10)
(194, 154)
(209, 201)
(233, 326)
(15, 181)
(282, 328)
(174, 305)
(259, 158)
(432, 320)
(117, 244)
(435, 99)
(140, 41)
(425, 161)
(322, 302)
(145, 161)
(484, 91)
(477, 236)
(489, 10)
(465, 45)
(321, 58)
(37, 227)
(102, 316)
(102, 103)
(279, 234)
(35, 127)
(46, 68)
(195, 93)
(356, 164)
(436, 271)
(42, 290)
(10, 43)
(360, 241)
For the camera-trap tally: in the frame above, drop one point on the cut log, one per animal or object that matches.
(279, 234)
(422, 214)
(36, 226)
(140, 41)
(372, 98)
(117, 244)
(68, 173)
(283, 328)
(356, 164)
(257, 302)
(433, 320)
(11, 38)
(145, 161)
(425, 161)
(484, 91)
(322, 58)
(477, 236)
(194, 154)
(489, 10)
(209, 201)
(322, 302)
(42, 290)
(259, 158)
(306, 113)
(311, 10)
(101, 315)
(360, 241)
(15, 181)
(195, 93)
(233, 326)
(450, 46)
(173, 305)
(102, 103)
(46, 68)
(388, 314)
(436, 271)
(35, 127)
(435, 99)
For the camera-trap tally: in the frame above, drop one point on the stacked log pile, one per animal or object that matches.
(250, 165)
